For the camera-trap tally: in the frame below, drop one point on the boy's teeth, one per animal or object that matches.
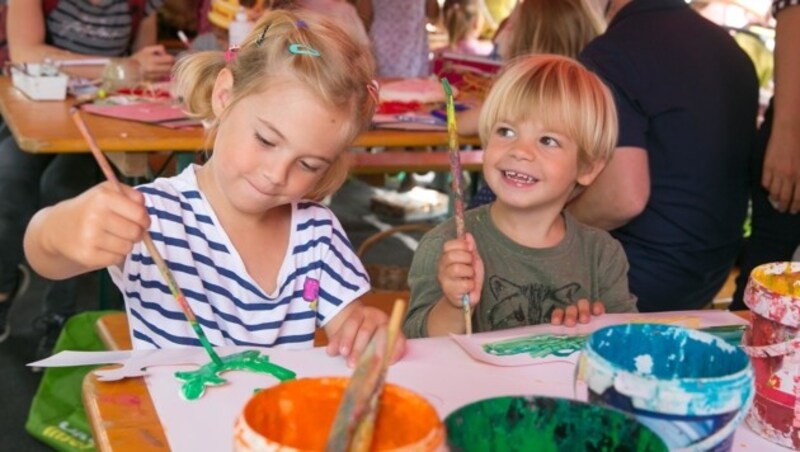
(519, 177)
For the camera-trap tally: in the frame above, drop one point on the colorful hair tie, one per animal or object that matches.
(302, 49)
(230, 54)
(301, 23)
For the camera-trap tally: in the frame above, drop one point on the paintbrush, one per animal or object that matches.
(148, 241)
(354, 423)
(458, 194)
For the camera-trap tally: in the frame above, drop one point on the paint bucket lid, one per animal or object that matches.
(668, 369)
(544, 423)
(298, 415)
(773, 292)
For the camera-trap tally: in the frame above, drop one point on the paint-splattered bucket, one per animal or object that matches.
(772, 341)
(543, 423)
(689, 387)
(297, 416)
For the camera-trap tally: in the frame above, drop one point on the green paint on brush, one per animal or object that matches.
(545, 424)
(195, 381)
(539, 346)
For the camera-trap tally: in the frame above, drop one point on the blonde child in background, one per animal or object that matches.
(548, 127)
(464, 21)
(560, 27)
(259, 261)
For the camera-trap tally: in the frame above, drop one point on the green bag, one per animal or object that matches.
(57, 417)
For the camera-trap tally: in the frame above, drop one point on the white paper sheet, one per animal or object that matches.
(475, 345)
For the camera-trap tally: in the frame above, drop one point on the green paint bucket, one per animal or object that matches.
(545, 424)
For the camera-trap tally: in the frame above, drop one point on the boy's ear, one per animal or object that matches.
(589, 173)
(223, 88)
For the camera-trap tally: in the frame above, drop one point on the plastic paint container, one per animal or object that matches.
(297, 416)
(772, 341)
(691, 388)
(545, 424)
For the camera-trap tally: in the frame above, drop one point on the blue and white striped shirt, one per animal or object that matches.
(229, 305)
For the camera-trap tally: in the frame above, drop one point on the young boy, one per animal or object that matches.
(548, 127)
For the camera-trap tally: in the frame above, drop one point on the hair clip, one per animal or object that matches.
(230, 54)
(301, 23)
(373, 88)
(302, 49)
(261, 37)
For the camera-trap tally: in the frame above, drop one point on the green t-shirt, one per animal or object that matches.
(523, 285)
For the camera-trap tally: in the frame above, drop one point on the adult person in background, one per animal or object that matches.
(61, 30)
(675, 192)
(775, 191)
(398, 34)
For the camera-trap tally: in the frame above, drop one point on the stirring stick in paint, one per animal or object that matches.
(458, 195)
(354, 422)
(148, 241)
(184, 39)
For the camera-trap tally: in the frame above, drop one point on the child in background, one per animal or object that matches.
(259, 261)
(548, 127)
(464, 22)
(398, 34)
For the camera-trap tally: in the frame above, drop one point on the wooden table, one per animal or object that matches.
(46, 127)
(122, 413)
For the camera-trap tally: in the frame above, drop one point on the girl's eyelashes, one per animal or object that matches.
(264, 141)
(310, 167)
(504, 131)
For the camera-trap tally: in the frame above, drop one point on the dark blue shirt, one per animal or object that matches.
(688, 95)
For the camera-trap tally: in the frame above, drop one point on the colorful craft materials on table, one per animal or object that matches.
(208, 375)
(773, 342)
(458, 194)
(295, 416)
(545, 424)
(354, 424)
(691, 388)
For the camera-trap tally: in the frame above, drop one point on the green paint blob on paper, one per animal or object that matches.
(545, 424)
(195, 381)
(538, 346)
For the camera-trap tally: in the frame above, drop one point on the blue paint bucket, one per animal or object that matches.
(691, 388)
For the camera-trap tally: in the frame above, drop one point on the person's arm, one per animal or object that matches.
(432, 11)
(781, 174)
(364, 8)
(619, 194)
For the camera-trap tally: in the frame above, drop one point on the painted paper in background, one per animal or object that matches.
(544, 344)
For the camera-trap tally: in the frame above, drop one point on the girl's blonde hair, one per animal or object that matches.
(459, 17)
(562, 27)
(562, 95)
(340, 74)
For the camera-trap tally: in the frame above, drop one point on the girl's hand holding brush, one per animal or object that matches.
(102, 224)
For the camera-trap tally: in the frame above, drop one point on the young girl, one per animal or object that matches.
(259, 262)
(464, 22)
(548, 128)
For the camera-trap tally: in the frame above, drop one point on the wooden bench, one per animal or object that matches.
(411, 161)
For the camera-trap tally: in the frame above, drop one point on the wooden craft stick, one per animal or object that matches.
(148, 241)
(458, 194)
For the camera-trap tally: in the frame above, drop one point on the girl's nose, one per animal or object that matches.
(277, 172)
(522, 151)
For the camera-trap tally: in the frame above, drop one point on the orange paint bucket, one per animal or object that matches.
(297, 416)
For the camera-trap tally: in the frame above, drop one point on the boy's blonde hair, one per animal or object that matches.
(561, 94)
(459, 16)
(341, 76)
(562, 27)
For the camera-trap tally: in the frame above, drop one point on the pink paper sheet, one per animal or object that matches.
(157, 113)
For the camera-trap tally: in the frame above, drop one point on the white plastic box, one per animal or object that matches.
(40, 82)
